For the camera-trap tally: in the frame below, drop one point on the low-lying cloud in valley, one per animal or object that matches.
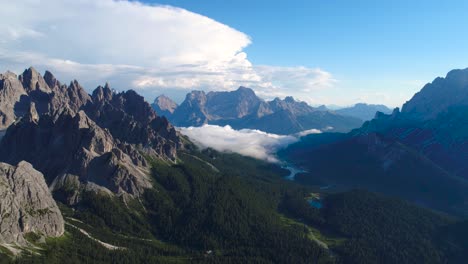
(248, 142)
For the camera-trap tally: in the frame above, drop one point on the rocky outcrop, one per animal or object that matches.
(11, 93)
(72, 147)
(232, 105)
(164, 106)
(82, 142)
(437, 97)
(26, 205)
(289, 104)
(33, 81)
(129, 118)
(47, 93)
(108, 109)
(192, 111)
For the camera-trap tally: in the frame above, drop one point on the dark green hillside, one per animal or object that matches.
(380, 164)
(364, 227)
(225, 208)
(223, 203)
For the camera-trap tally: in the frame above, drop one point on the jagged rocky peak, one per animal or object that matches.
(33, 81)
(11, 92)
(242, 108)
(73, 148)
(76, 96)
(164, 105)
(440, 95)
(135, 105)
(196, 96)
(51, 80)
(232, 104)
(26, 205)
(8, 75)
(129, 118)
(102, 93)
(246, 91)
(291, 105)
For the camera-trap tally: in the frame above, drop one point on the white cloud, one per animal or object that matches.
(139, 46)
(248, 142)
(301, 78)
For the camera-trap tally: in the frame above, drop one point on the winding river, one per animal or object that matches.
(293, 172)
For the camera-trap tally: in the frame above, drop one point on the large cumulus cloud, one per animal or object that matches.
(150, 48)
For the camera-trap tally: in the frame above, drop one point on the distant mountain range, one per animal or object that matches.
(363, 111)
(419, 153)
(243, 109)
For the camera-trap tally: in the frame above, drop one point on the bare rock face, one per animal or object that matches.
(437, 97)
(126, 115)
(26, 205)
(11, 91)
(192, 112)
(47, 93)
(235, 104)
(164, 106)
(81, 142)
(33, 81)
(74, 146)
(130, 119)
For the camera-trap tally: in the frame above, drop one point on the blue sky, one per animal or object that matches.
(390, 47)
(346, 35)
(322, 52)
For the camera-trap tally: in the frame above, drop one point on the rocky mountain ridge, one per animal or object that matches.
(440, 95)
(88, 142)
(242, 108)
(421, 149)
(364, 111)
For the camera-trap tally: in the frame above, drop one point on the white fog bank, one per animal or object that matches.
(248, 142)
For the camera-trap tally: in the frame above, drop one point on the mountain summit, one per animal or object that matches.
(164, 105)
(92, 142)
(439, 96)
(419, 153)
(242, 108)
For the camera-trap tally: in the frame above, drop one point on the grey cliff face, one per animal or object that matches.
(231, 105)
(164, 106)
(114, 111)
(81, 141)
(74, 146)
(108, 109)
(192, 111)
(33, 81)
(438, 96)
(47, 93)
(11, 91)
(26, 205)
